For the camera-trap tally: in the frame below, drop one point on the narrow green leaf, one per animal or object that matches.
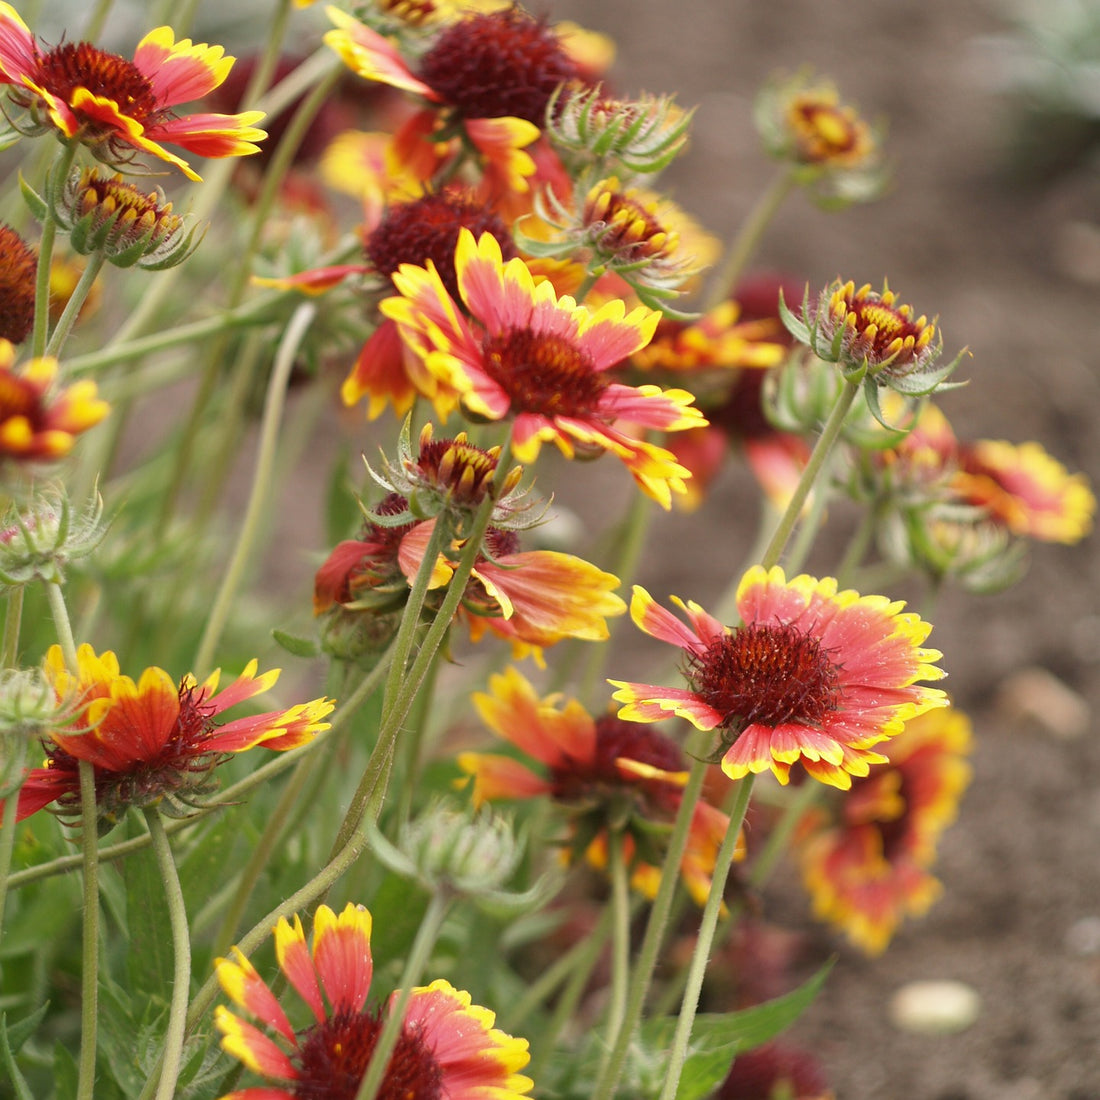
(296, 646)
(66, 1076)
(7, 1059)
(149, 959)
(17, 1034)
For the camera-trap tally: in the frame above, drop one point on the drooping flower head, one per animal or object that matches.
(38, 421)
(605, 773)
(866, 858)
(447, 1047)
(119, 108)
(18, 264)
(544, 360)
(812, 676)
(532, 598)
(153, 742)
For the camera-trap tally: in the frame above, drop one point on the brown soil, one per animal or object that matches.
(1013, 272)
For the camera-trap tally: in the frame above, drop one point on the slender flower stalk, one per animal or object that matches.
(620, 937)
(75, 303)
(261, 484)
(181, 955)
(417, 962)
(646, 962)
(749, 236)
(678, 1054)
(60, 169)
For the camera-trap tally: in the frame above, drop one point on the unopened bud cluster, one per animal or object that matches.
(38, 539)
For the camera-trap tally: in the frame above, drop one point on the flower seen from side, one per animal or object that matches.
(18, 265)
(120, 108)
(532, 598)
(607, 775)
(813, 676)
(38, 420)
(541, 359)
(153, 742)
(103, 213)
(866, 857)
(447, 1046)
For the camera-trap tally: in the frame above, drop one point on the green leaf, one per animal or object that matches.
(296, 646)
(716, 1038)
(9, 1045)
(66, 1076)
(19, 1033)
(37, 204)
(149, 959)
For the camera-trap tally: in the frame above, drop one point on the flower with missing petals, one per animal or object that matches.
(152, 742)
(38, 421)
(543, 360)
(447, 1046)
(813, 676)
(605, 773)
(119, 108)
(866, 857)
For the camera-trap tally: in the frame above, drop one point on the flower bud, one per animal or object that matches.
(131, 228)
(39, 539)
(28, 711)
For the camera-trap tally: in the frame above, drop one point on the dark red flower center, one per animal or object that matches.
(74, 65)
(17, 274)
(502, 63)
(428, 229)
(334, 1055)
(582, 780)
(826, 132)
(545, 373)
(18, 398)
(767, 673)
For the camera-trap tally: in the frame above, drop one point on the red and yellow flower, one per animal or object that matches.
(118, 107)
(447, 1045)
(37, 420)
(544, 360)
(152, 742)
(774, 1072)
(608, 774)
(531, 598)
(813, 675)
(865, 860)
(1026, 489)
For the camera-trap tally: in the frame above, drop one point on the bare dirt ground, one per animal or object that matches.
(1014, 272)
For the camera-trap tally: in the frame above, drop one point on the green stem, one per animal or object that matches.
(265, 459)
(580, 958)
(810, 527)
(89, 970)
(75, 303)
(779, 837)
(413, 747)
(711, 912)
(620, 938)
(378, 763)
(59, 170)
(7, 842)
(60, 614)
(646, 961)
(749, 237)
(172, 1053)
(276, 825)
(822, 449)
(415, 964)
(13, 618)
